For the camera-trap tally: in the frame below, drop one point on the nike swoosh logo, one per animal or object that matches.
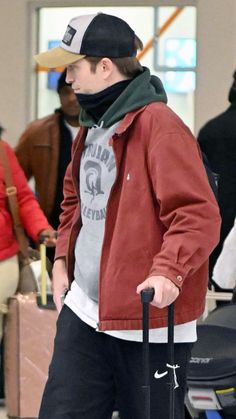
(157, 375)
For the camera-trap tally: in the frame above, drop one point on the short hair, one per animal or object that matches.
(127, 66)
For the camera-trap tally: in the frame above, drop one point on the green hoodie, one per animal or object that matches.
(142, 90)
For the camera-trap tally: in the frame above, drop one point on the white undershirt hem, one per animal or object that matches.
(87, 310)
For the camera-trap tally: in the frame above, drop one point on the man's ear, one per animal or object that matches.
(106, 67)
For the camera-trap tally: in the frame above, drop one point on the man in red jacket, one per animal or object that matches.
(138, 212)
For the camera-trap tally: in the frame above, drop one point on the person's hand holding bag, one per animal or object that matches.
(48, 237)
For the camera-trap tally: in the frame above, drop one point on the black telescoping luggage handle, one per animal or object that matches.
(147, 296)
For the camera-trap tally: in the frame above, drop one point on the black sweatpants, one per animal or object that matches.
(91, 372)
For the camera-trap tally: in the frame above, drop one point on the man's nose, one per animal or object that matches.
(68, 77)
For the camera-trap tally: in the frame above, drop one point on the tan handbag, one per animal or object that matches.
(27, 280)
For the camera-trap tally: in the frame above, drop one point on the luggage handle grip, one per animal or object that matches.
(147, 295)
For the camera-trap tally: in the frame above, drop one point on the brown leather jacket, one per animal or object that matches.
(38, 154)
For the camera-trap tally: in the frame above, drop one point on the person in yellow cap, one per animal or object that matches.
(138, 212)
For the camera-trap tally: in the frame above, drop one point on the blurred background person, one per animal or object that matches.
(33, 221)
(44, 151)
(217, 140)
(224, 272)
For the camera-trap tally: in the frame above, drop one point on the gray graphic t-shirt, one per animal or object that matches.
(97, 175)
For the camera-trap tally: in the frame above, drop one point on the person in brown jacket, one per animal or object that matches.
(44, 151)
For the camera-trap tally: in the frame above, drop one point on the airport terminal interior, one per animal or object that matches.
(190, 46)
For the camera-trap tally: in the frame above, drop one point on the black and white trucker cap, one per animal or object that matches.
(97, 35)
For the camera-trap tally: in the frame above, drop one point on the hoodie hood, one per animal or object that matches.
(142, 90)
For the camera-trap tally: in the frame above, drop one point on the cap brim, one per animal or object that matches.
(57, 57)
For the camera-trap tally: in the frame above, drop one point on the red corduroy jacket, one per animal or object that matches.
(162, 218)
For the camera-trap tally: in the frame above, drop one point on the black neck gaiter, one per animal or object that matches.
(97, 104)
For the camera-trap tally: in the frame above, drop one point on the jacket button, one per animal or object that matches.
(179, 277)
